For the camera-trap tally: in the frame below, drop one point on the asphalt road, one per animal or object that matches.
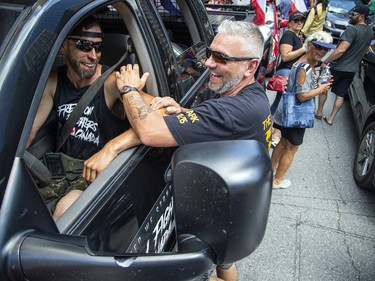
(323, 226)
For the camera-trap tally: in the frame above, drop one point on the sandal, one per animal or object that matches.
(326, 120)
(319, 117)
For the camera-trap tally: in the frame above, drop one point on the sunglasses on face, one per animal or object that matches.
(353, 14)
(221, 58)
(299, 20)
(319, 48)
(87, 45)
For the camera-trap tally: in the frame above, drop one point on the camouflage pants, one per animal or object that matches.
(60, 187)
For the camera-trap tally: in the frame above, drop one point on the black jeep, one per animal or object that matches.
(153, 214)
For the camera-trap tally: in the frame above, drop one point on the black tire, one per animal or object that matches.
(364, 162)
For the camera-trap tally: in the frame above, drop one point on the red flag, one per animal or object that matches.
(292, 7)
(260, 11)
(299, 5)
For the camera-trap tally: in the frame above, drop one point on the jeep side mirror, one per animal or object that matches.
(222, 194)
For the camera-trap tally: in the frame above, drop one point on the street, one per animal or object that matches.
(323, 226)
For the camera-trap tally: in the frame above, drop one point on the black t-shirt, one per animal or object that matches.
(290, 38)
(94, 128)
(244, 116)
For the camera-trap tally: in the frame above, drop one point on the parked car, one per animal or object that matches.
(362, 99)
(153, 214)
(338, 17)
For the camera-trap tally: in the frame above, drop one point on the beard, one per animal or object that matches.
(82, 73)
(229, 83)
(353, 21)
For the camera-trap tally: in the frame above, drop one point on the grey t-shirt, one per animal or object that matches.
(359, 36)
(310, 83)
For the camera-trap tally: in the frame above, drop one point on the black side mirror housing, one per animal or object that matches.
(222, 194)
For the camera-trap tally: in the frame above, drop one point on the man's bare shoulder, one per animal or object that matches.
(51, 85)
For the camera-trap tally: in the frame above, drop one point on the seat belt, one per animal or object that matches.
(84, 102)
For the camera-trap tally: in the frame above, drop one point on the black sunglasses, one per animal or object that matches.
(87, 45)
(299, 20)
(318, 47)
(353, 14)
(221, 58)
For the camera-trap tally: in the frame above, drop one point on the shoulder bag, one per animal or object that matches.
(297, 114)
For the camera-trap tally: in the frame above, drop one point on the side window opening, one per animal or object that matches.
(115, 21)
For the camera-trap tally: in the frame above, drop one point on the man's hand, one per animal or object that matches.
(129, 76)
(97, 163)
(170, 105)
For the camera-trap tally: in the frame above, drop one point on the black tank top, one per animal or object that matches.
(95, 127)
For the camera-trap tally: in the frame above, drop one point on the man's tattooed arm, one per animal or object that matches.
(138, 108)
(148, 123)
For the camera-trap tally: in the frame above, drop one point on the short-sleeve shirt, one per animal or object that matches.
(359, 36)
(290, 38)
(244, 116)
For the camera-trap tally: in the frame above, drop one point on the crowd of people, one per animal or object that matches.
(304, 41)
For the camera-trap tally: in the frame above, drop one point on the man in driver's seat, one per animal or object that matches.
(93, 136)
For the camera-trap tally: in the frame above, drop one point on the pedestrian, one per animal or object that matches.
(291, 49)
(316, 18)
(318, 45)
(371, 5)
(237, 108)
(345, 60)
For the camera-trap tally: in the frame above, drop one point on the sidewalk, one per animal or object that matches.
(323, 226)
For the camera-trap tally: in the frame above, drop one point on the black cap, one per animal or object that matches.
(361, 9)
(296, 15)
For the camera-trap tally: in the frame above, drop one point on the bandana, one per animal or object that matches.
(87, 34)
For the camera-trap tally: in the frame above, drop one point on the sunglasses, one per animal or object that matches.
(87, 45)
(353, 14)
(299, 20)
(221, 58)
(319, 48)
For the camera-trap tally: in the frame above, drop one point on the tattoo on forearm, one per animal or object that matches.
(138, 108)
